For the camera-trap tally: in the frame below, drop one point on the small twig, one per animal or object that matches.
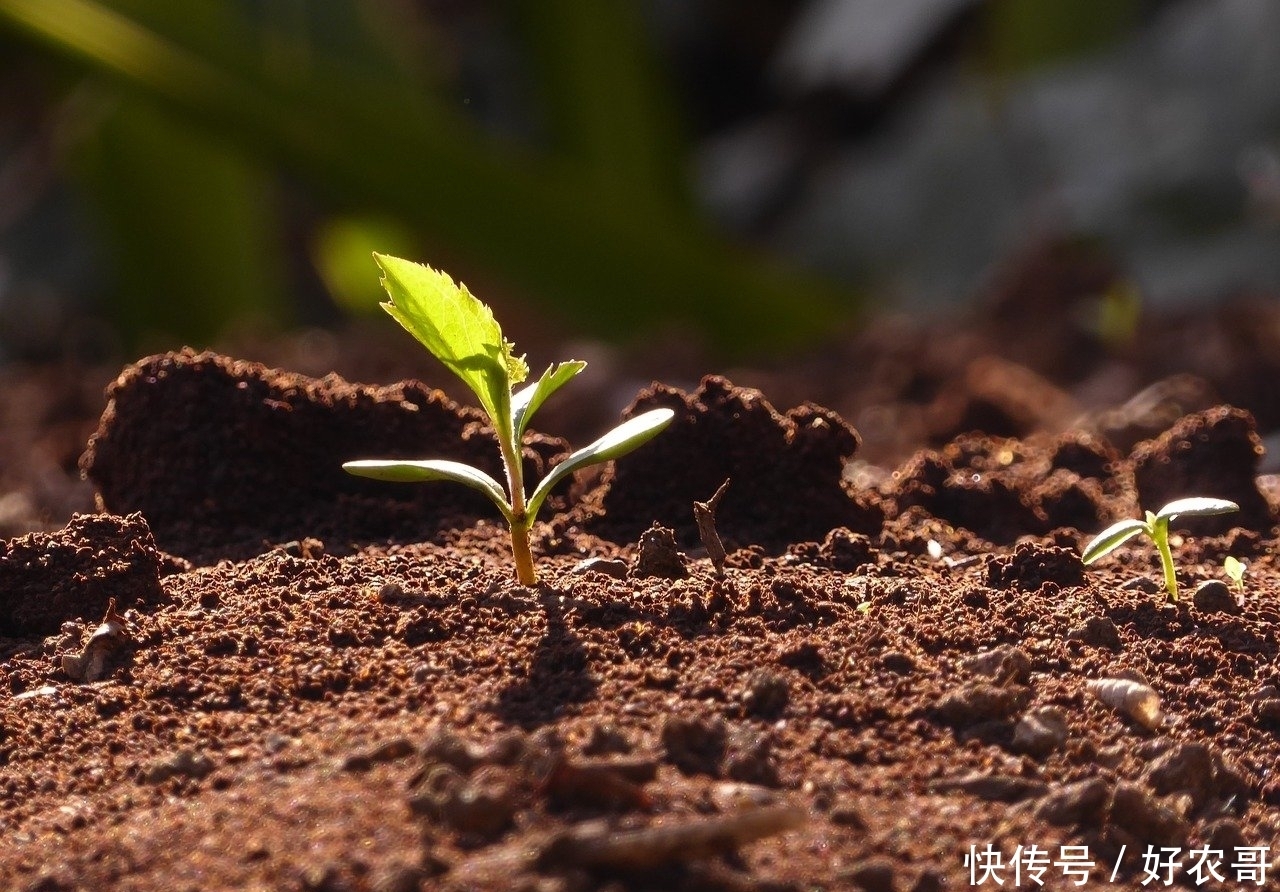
(679, 839)
(705, 515)
(106, 643)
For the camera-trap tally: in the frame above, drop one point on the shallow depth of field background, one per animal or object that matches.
(749, 176)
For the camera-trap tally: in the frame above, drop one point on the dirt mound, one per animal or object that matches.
(1001, 489)
(224, 457)
(1213, 453)
(786, 471)
(46, 578)
(1030, 566)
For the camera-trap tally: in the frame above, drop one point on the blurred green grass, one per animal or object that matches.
(192, 129)
(199, 106)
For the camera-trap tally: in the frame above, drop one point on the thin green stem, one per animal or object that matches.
(1160, 535)
(526, 573)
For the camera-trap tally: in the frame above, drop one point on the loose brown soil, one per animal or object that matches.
(326, 683)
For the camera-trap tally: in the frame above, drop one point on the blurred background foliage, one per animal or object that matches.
(757, 174)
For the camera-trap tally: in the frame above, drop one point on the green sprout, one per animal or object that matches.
(1234, 568)
(462, 333)
(1156, 526)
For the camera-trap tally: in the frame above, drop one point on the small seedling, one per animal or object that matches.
(462, 333)
(1156, 526)
(1234, 568)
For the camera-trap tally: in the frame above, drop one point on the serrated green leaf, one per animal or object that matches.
(1197, 507)
(396, 471)
(458, 329)
(526, 401)
(1112, 538)
(615, 444)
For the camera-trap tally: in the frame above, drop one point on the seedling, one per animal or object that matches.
(1234, 568)
(462, 333)
(1156, 526)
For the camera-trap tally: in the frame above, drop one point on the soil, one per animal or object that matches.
(227, 665)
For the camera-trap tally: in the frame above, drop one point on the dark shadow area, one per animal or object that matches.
(558, 675)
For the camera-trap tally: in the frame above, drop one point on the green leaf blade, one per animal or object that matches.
(615, 444)
(397, 471)
(1112, 538)
(458, 329)
(527, 400)
(1197, 507)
